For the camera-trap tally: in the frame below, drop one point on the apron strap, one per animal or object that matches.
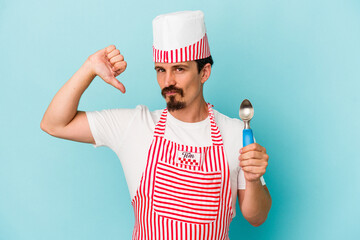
(215, 132)
(160, 126)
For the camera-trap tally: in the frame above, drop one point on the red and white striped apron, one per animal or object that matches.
(184, 192)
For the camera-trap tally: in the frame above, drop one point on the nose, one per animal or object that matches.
(169, 79)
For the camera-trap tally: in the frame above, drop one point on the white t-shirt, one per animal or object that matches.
(129, 132)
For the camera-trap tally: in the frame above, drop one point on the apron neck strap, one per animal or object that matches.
(215, 132)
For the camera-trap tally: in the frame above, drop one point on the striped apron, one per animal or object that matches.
(184, 192)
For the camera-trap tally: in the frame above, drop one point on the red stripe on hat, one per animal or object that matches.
(185, 53)
(181, 57)
(197, 50)
(204, 45)
(193, 56)
(189, 53)
(172, 56)
(207, 45)
(176, 53)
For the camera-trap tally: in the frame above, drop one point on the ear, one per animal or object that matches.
(205, 73)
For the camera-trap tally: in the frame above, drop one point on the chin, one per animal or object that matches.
(173, 105)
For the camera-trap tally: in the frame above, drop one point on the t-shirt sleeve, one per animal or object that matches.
(109, 126)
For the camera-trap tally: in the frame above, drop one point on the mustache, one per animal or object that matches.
(172, 88)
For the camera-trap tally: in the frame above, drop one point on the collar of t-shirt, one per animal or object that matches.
(192, 134)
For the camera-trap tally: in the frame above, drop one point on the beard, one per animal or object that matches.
(173, 104)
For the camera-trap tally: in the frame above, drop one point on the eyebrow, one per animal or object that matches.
(158, 67)
(175, 66)
(180, 65)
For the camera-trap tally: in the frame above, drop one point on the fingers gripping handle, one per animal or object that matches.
(248, 137)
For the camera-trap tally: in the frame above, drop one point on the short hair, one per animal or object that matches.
(202, 62)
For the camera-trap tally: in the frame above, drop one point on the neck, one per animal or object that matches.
(196, 112)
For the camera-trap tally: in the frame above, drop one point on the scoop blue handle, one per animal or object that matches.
(248, 137)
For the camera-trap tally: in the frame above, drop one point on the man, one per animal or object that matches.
(184, 164)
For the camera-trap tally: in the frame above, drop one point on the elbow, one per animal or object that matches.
(43, 126)
(46, 128)
(258, 219)
(258, 222)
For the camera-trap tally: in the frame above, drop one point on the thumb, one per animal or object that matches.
(117, 84)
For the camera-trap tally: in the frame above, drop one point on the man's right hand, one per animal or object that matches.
(108, 63)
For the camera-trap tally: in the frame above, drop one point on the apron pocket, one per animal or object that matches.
(185, 195)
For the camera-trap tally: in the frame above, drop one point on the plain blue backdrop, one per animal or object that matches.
(297, 61)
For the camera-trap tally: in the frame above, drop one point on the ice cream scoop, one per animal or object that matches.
(246, 113)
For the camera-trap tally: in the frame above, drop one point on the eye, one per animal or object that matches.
(159, 70)
(179, 69)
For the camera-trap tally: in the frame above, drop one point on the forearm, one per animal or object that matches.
(63, 106)
(256, 203)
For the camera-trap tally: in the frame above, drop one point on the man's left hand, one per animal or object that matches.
(253, 161)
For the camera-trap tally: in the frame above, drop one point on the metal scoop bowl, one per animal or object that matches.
(246, 113)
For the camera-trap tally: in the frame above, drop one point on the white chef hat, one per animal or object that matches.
(180, 37)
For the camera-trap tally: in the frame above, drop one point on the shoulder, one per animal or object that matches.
(231, 130)
(140, 112)
(227, 123)
(145, 113)
(119, 111)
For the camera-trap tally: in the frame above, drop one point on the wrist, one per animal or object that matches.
(89, 69)
(253, 182)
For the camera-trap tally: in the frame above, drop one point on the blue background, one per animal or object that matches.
(297, 61)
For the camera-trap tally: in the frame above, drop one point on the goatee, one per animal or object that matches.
(172, 104)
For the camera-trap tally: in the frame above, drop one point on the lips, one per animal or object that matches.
(170, 93)
(171, 90)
